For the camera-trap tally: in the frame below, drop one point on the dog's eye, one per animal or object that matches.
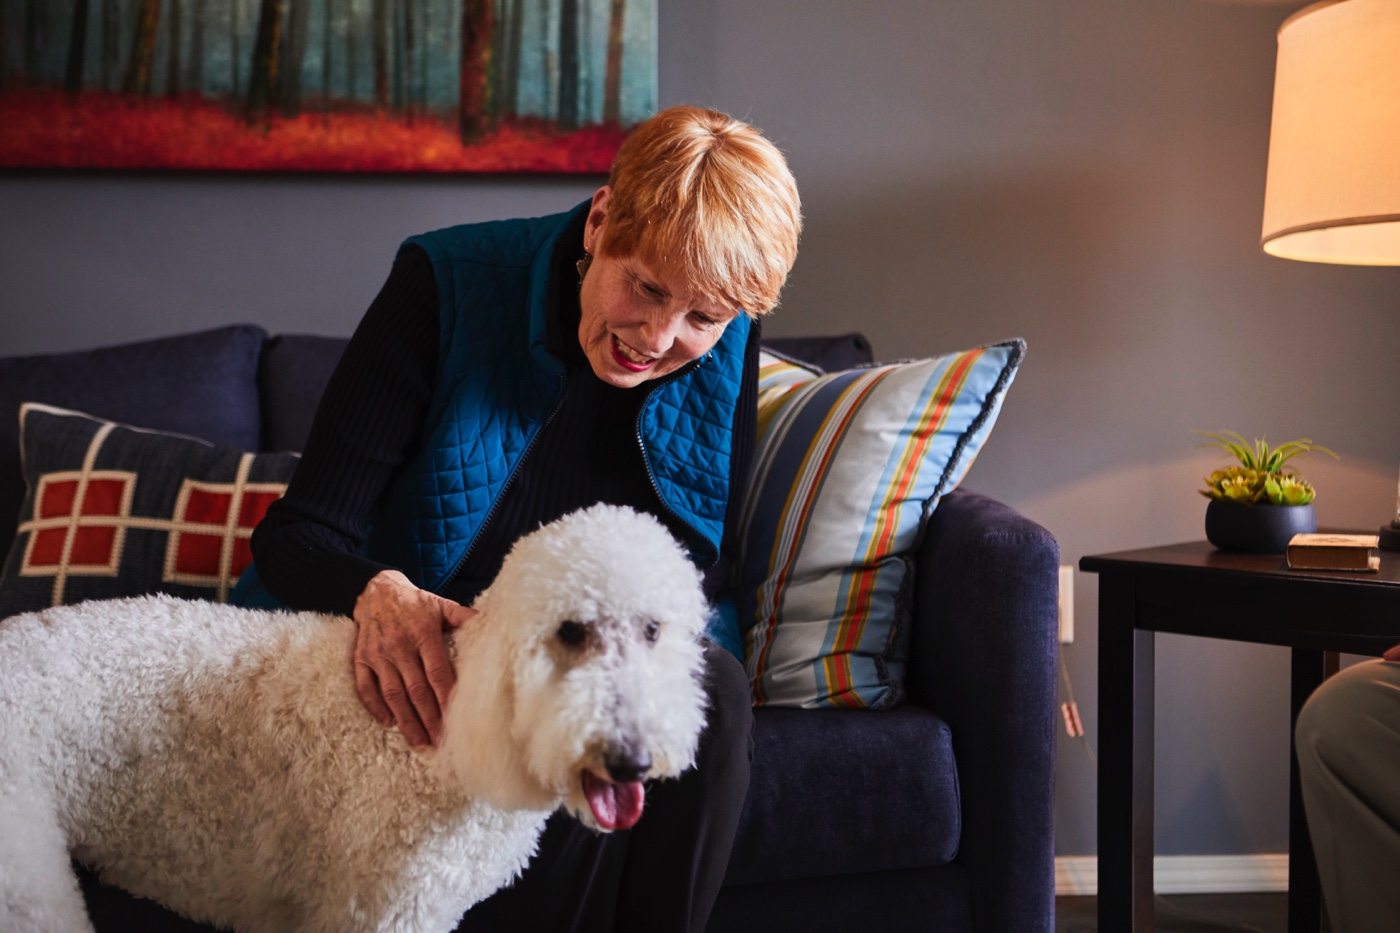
(652, 631)
(572, 633)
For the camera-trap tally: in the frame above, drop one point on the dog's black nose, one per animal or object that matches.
(627, 766)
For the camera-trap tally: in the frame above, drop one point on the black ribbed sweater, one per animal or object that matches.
(369, 425)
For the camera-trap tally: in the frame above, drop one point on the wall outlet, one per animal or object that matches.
(1066, 604)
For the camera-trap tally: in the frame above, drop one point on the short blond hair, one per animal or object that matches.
(706, 199)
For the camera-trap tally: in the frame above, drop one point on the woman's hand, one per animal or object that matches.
(402, 671)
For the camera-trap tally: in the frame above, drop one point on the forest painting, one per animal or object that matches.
(324, 85)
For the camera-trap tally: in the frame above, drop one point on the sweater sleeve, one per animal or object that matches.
(721, 577)
(367, 425)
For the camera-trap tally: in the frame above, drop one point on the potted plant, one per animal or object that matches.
(1257, 506)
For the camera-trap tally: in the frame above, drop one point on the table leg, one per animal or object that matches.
(1304, 890)
(1125, 762)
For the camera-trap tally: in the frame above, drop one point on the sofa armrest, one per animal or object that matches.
(983, 658)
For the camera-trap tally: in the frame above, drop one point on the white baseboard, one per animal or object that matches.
(1184, 874)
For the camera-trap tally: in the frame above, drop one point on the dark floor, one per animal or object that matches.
(1188, 913)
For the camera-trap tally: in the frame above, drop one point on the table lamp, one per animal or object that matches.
(1333, 189)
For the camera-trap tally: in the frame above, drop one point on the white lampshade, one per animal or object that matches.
(1333, 191)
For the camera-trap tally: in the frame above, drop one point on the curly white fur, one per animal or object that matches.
(217, 759)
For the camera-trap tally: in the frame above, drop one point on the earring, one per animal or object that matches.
(582, 266)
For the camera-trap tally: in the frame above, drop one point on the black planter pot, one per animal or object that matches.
(1256, 529)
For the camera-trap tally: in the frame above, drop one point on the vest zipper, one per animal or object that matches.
(496, 504)
(646, 460)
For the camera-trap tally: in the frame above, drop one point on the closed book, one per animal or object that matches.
(1333, 552)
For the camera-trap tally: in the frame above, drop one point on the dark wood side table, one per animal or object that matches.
(1193, 589)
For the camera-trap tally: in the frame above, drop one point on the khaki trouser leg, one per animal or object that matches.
(1348, 740)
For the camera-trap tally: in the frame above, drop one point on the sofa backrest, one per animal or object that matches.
(296, 368)
(292, 377)
(842, 351)
(234, 386)
(202, 384)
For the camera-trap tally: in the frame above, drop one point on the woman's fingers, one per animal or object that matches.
(398, 696)
(440, 674)
(367, 688)
(455, 614)
(402, 667)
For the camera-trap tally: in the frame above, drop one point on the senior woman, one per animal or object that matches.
(505, 376)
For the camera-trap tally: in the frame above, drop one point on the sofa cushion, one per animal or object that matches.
(292, 378)
(848, 468)
(927, 900)
(203, 384)
(118, 511)
(844, 791)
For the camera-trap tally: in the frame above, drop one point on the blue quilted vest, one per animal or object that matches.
(497, 386)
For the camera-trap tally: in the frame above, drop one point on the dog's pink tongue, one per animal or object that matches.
(614, 806)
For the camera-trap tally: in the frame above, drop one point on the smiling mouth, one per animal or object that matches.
(630, 359)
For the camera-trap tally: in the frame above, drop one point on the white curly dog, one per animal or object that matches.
(217, 760)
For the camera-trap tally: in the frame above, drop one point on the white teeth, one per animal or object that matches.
(629, 353)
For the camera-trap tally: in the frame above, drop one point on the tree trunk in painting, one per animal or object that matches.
(32, 12)
(396, 55)
(264, 83)
(77, 48)
(568, 65)
(297, 16)
(500, 58)
(549, 63)
(138, 70)
(233, 58)
(111, 38)
(586, 64)
(195, 79)
(425, 31)
(380, 31)
(327, 18)
(352, 59)
(410, 54)
(612, 81)
(508, 85)
(172, 49)
(474, 103)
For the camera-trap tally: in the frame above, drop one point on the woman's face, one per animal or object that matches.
(636, 325)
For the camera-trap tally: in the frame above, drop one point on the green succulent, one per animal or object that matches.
(1260, 477)
(1235, 484)
(1289, 489)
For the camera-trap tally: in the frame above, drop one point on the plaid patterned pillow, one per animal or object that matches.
(849, 466)
(113, 510)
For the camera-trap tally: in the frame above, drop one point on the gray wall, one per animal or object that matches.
(1087, 174)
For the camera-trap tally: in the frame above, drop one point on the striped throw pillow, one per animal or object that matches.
(848, 469)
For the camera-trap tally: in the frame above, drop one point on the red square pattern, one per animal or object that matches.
(93, 544)
(198, 553)
(255, 507)
(47, 548)
(103, 497)
(206, 507)
(56, 499)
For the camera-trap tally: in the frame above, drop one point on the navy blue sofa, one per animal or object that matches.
(936, 815)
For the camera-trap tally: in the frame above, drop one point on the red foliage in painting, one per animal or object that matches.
(41, 129)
